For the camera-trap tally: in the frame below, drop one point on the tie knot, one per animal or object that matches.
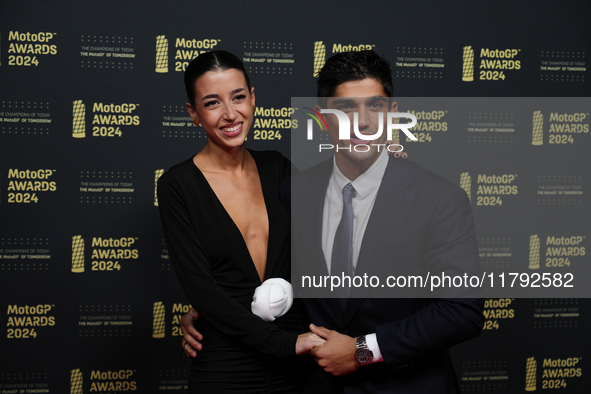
(348, 192)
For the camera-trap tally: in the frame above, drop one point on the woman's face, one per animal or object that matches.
(224, 106)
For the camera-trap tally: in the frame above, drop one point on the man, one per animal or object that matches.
(404, 221)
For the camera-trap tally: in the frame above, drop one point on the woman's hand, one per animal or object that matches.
(396, 151)
(307, 342)
(191, 336)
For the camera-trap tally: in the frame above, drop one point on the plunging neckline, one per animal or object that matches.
(265, 199)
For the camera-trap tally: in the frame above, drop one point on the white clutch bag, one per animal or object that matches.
(272, 299)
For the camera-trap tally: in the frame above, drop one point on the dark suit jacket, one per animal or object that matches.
(420, 223)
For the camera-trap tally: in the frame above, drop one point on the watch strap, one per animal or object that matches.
(363, 355)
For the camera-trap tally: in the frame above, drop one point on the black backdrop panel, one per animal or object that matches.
(92, 111)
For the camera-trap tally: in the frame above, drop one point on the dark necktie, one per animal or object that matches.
(342, 250)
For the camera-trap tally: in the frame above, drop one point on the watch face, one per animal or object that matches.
(363, 356)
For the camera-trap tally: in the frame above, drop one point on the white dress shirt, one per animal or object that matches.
(366, 190)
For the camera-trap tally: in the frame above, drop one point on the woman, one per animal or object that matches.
(227, 231)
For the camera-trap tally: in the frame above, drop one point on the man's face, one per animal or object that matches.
(367, 98)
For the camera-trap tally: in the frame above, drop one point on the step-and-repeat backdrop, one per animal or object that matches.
(92, 111)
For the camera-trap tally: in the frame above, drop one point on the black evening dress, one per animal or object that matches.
(241, 352)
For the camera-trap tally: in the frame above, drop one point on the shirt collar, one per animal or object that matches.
(366, 182)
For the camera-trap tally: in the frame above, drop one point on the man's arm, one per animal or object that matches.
(438, 327)
(451, 247)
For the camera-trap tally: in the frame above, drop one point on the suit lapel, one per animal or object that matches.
(392, 202)
(310, 211)
(311, 208)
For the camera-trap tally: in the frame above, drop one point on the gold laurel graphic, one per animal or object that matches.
(158, 316)
(77, 254)
(530, 374)
(75, 381)
(466, 184)
(534, 252)
(161, 54)
(468, 67)
(157, 175)
(396, 133)
(537, 137)
(319, 56)
(79, 113)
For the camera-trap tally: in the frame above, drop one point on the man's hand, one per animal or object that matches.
(191, 336)
(337, 355)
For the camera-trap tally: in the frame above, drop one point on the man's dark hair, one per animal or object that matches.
(211, 61)
(353, 66)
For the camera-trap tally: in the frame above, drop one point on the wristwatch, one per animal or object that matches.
(363, 355)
